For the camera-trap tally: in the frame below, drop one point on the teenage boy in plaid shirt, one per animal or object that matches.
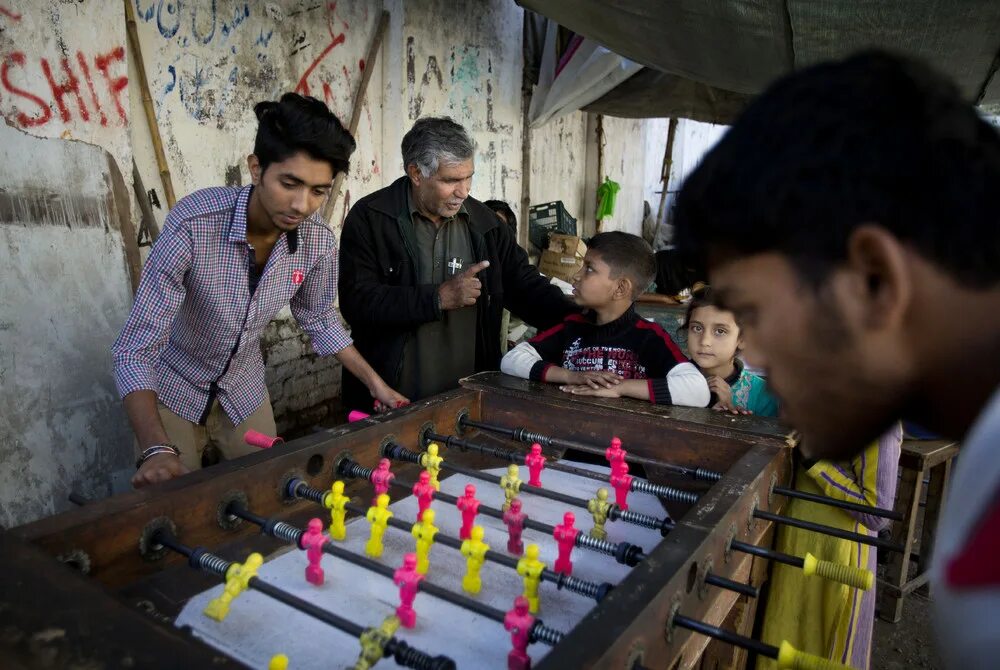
(188, 361)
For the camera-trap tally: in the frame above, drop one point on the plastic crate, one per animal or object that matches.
(550, 217)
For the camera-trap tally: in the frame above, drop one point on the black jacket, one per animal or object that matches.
(382, 302)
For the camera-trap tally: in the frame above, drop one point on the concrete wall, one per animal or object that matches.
(75, 124)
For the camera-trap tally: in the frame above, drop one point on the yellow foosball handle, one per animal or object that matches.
(790, 658)
(859, 578)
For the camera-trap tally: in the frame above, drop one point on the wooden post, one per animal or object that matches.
(359, 101)
(147, 106)
(668, 161)
(600, 162)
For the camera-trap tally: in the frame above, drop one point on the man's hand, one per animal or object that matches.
(158, 468)
(462, 290)
(596, 379)
(593, 391)
(386, 398)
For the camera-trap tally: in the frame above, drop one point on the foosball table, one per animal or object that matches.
(647, 551)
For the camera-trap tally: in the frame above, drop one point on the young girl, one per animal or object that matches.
(713, 340)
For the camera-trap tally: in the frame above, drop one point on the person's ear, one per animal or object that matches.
(624, 288)
(881, 283)
(413, 172)
(253, 164)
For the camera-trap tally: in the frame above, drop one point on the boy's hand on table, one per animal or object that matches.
(597, 392)
(593, 378)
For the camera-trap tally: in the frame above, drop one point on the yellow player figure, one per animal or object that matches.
(335, 501)
(474, 550)
(511, 485)
(278, 662)
(531, 568)
(424, 531)
(373, 641)
(599, 508)
(237, 581)
(378, 516)
(430, 461)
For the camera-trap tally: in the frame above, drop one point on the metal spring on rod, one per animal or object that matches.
(665, 492)
(283, 531)
(408, 657)
(302, 490)
(639, 519)
(355, 470)
(542, 633)
(581, 586)
(527, 436)
(707, 475)
(584, 540)
(217, 565)
(397, 452)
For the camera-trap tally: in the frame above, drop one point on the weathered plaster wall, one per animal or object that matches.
(559, 163)
(65, 294)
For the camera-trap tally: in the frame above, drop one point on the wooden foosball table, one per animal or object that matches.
(112, 583)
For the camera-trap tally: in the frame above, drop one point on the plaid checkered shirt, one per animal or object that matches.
(194, 330)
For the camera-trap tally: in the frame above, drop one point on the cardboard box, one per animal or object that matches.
(563, 258)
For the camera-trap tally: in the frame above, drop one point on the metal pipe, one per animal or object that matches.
(828, 530)
(729, 584)
(729, 636)
(523, 435)
(843, 504)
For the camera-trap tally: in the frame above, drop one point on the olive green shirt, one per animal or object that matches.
(440, 352)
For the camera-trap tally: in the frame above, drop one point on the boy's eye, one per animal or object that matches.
(695, 329)
(720, 332)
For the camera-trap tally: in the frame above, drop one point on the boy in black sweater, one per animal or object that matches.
(610, 347)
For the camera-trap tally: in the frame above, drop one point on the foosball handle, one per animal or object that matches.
(255, 438)
(859, 578)
(790, 658)
(355, 415)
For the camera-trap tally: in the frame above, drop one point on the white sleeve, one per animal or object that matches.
(519, 361)
(687, 386)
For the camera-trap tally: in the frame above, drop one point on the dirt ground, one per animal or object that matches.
(909, 643)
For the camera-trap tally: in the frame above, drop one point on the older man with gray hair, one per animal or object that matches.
(426, 271)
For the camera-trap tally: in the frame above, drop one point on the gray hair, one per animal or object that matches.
(436, 140)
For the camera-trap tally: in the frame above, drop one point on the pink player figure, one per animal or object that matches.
(519, 622)
(424, 492)
(621, 481)
(381, 479)
(514, 518)
(535, 462)
(408, 580)
(614, 452)
(565, 535)
(313, 541)
(469, 507)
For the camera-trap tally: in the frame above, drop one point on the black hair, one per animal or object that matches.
(876, 138)
(301, 123)
(501, 207)
(700, 297)
(626, 254)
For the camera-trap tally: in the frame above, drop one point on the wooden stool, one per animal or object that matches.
(917, 459)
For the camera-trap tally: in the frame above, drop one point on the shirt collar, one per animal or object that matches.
(238, 222)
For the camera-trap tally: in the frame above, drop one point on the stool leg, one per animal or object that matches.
(936, 492)
(907, 502)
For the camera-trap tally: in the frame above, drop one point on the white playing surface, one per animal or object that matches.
(258, 627)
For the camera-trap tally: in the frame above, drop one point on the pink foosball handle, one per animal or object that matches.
(258, 439)
(355, 415)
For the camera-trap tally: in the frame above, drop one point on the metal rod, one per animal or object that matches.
(738, 587)
(523, 435)
(843, 504)
(770, 554)
(637, 484)
(402, 652)
(623, 552)
(267, 525)
(726, 636)
(395, 451)
(828, 530)
(579, 586)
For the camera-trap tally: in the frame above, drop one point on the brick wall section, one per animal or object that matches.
(304, 387)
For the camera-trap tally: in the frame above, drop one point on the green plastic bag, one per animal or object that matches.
(606, 195)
